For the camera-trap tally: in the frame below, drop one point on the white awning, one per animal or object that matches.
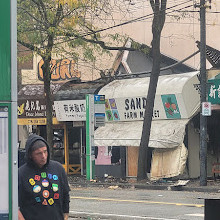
(177, 97)
(167, 84)
(164, 133)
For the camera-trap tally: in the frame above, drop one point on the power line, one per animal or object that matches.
(136, 19)
(133, 20)
(174, 10)
(208, 12)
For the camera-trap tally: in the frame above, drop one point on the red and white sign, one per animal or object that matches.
(206, 109)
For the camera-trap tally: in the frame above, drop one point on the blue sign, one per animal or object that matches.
(99, 99)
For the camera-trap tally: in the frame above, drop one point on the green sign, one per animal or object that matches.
(214, 91)
(5, 51)
(170, 106)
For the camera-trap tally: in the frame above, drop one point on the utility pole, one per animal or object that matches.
(203, 96)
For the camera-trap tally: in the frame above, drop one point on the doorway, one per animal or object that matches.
(76, 149)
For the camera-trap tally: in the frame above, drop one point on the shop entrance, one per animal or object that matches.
(213, 142)
(68, 146)
(213, 135)
(76, 149)
(59, 141)
(213, 129)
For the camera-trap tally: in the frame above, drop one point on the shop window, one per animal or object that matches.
(58, 145)
(115, 159)
(107, 155)
(74, 145)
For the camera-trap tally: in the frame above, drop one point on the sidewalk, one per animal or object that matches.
(163, 184)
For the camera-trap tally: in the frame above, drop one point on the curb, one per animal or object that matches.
(149, 187)
(179, 188)
(121, 185)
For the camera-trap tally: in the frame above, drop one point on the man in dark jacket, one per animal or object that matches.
(43, 190)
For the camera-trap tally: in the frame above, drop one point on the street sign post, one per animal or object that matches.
(89, 136)
(95, 117)
(99, 105)
(8, 111)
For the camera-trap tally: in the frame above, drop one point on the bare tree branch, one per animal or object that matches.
(31, 47)
(39, 9)
(44, 10)
(31, 16)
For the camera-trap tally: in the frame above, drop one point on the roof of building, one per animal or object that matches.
(36, 91)
(77, 90)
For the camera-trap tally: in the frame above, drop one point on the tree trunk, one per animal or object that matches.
(47, 91)
(157, 26)
(49, 103)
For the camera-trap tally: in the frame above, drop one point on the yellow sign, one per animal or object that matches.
(35, 121)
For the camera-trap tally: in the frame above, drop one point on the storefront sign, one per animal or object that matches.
(176, 97)
(129, 109)
(31, 108)
(35, 121)
(70, 110)
(214, 91)
(32, 112)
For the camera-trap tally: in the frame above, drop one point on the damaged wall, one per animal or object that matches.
(168, 163)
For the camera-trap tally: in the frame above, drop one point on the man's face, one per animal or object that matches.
(39, 156)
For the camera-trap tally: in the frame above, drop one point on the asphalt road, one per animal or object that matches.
(104, 203)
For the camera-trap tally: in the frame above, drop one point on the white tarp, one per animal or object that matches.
(164, 133)
(168, 163)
